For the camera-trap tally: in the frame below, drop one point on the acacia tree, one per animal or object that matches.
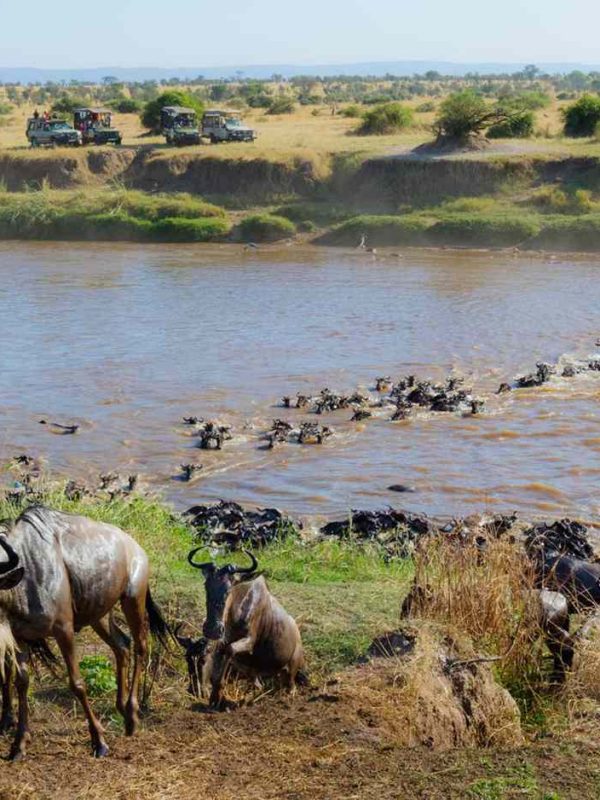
(466, 114)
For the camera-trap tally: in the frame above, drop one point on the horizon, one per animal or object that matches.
(131, 33)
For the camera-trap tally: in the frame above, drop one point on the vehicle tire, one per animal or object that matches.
(118, 142)
(213, 139)
(53, 143)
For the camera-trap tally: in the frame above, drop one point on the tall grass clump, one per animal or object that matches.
(266, 228)
(480, 230)
(380, 231)
(385, 119)
(487, 594)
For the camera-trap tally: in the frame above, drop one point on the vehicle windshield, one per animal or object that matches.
(185, 122)
(59, 126)
(233, 122)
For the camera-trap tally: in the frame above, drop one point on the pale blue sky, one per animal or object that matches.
(168, 33)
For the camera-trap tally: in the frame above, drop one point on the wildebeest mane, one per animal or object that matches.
(40, 518)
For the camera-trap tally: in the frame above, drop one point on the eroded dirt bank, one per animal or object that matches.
(382, 183)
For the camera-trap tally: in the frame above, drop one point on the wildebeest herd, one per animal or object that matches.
(64, 572)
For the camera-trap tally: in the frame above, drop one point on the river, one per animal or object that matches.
(125, 340)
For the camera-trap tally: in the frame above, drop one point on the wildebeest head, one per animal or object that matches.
(195, 657)
(218, 582)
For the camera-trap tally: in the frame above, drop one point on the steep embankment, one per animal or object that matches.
(387, 183)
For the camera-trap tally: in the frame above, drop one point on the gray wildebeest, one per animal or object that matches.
(75, 572)
(253, 633)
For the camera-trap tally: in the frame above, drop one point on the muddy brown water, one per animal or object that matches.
(125, 340)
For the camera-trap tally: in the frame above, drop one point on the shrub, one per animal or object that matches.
(67, 104)
(151, 114)
(281, 105)
(98, 675)
(582, 117)
(519, 126)
(426, 108)
(555, 200)
(5, 108)
(127, 105)
(266, 228)
(462, 114)
(190, 230)
(380, 231)
(384, 119)
(483, 231)
(581, 233)
(352, 111)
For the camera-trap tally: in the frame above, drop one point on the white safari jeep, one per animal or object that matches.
(224, 126)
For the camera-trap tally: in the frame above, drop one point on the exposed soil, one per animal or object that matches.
(290, 748)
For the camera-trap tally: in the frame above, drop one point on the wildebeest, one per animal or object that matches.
(75, 571)
(577, 579)
(252, 630)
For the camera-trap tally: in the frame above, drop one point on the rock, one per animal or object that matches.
(401, 487)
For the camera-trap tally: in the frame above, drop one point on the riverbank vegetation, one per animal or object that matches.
(343, 594)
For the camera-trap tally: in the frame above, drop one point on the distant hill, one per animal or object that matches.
(398, 68)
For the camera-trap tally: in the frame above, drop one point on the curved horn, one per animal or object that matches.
(247, 570)
(13, 558)
(195, 564)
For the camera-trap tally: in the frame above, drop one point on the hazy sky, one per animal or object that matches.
(185, 33)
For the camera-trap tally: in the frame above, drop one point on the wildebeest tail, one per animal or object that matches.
(158, 625)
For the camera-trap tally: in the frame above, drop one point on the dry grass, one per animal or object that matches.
(486, 595)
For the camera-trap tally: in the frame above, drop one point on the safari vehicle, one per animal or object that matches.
(179, 125)
(95, 126)
(51, 133)
(224, 126)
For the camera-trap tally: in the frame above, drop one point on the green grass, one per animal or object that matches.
(110, 215)
(266, 228)
(341, 594)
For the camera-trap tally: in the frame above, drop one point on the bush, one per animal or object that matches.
(569, 234)
(98, 674)
(5, 108)
(582, 117)
(189, 230)
(462, 114)
(425, 108)
(517, 127)
(151, 114)
(127, 105)
(67, 104)
(352, 111)
(483, 231)
(380, 231)
(281, 105)
(385, 119)
(555, 200)
(266, 228)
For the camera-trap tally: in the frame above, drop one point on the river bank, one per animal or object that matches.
(532, 203)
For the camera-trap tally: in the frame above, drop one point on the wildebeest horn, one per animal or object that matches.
(204, 564)
(13, 558)
(247, 570)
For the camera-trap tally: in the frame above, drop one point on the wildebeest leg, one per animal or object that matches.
(135, 612)
(118, 641)
(220, 664)
(245, 645)
(65, 638)
(296, 664)
(7, 720)
(22, 736)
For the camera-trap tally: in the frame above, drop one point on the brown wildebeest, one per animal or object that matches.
(75, 572)
(252, 630)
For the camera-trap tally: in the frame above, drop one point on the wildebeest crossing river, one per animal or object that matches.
(124, 341)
